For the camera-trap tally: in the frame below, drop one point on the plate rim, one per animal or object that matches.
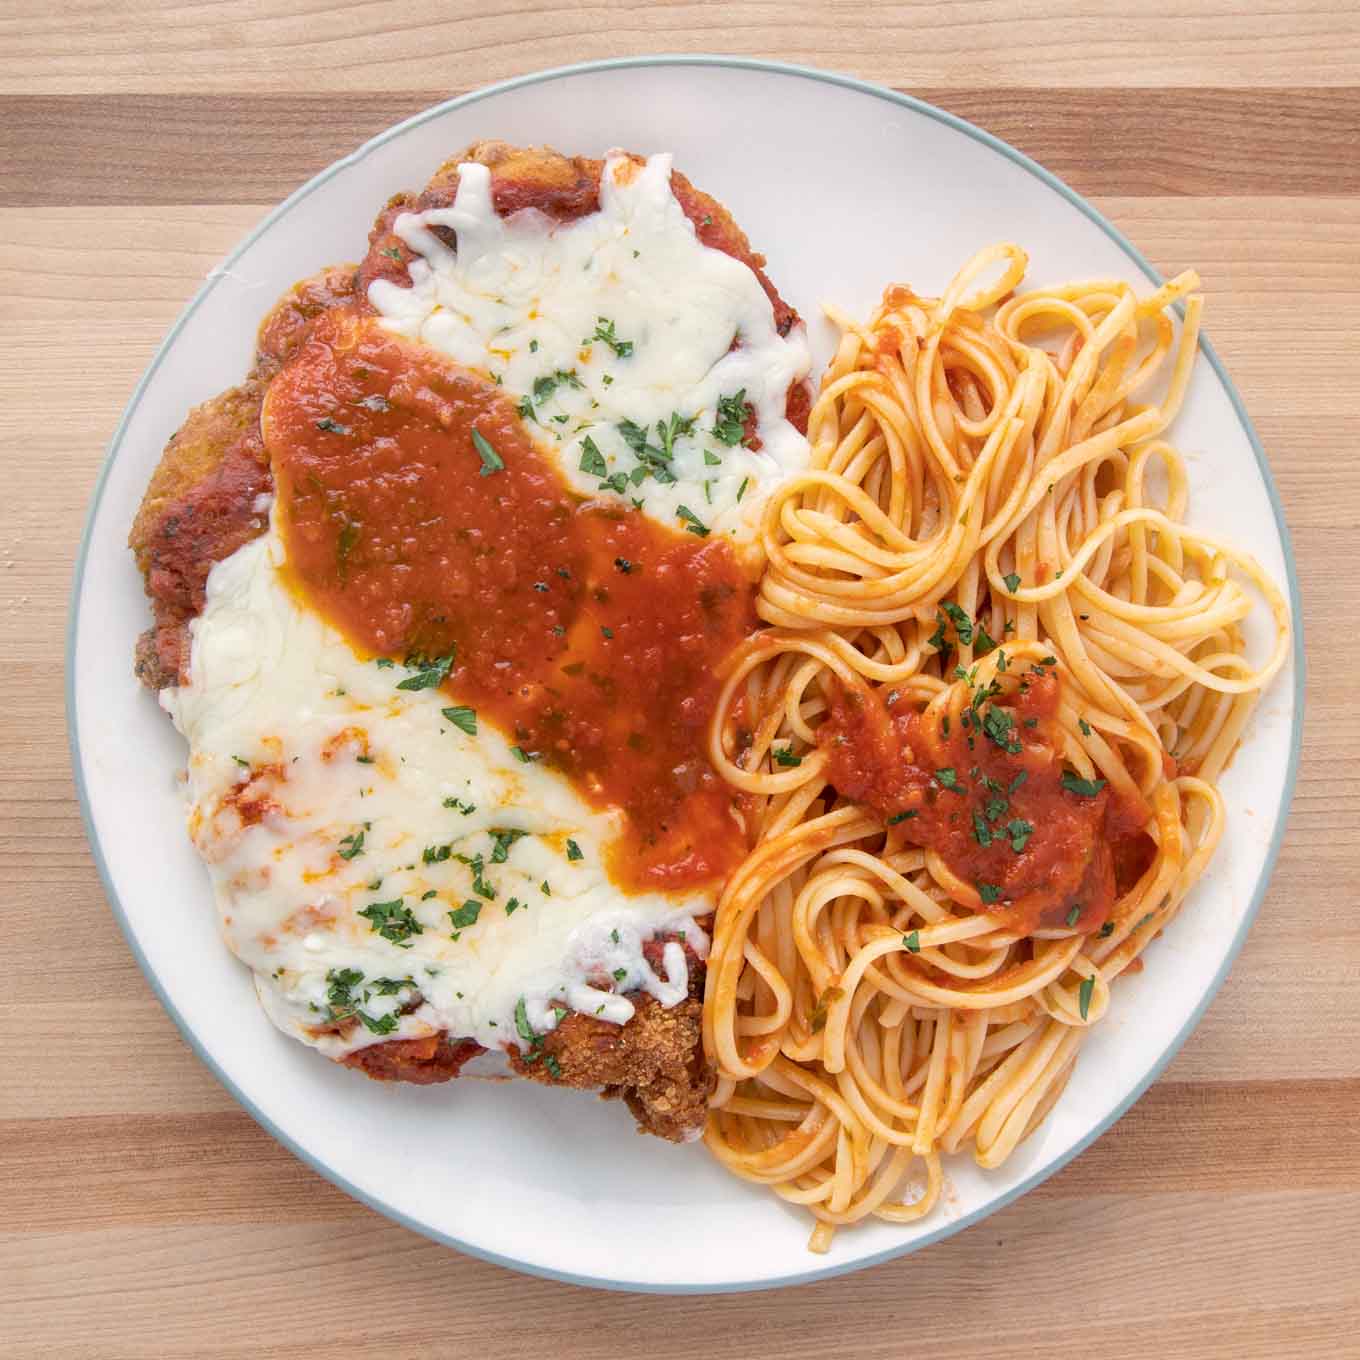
(714, 60)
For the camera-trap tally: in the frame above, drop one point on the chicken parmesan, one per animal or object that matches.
(441, 595)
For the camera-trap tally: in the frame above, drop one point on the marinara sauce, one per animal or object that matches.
(586, 632)
(990, 795)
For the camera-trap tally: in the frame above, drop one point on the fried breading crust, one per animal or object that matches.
(205, 500)
(654, 1064)
(419, 1062)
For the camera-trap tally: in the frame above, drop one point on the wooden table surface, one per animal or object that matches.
(143, 1213)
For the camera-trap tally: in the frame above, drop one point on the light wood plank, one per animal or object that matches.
(246, 45)
(1043, 1277)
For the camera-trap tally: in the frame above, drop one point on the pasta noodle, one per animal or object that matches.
(996, 648)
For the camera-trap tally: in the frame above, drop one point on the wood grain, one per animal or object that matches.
(89, 47)
(143, 1214)
(148, 149)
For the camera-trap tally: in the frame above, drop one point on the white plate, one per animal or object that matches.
(846, 187)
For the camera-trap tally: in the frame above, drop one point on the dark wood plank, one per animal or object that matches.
(228, 148)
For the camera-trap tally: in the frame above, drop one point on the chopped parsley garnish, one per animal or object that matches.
(364, 760)
(912, 942)
(574, 851)
(1105, 931)
(1012, 581)
(521, 755)
(963, 625)
(606, 633)
(784, 756)
(330, 426)
(1088, 985)
(592, 460)
(1019, 832)
(513, 905)
(1000, 726)
(604, 332)
(491, 460)
(352, 846)
(479, 884)
(1074, 915)
(620, 974)
(729, 425)
(501, 842)
(655, 460)
(384, 663)
(394, 921)
(467, 809)
(462, 717)
(947, 778)
(244, 764)
(989, 893)
(982, 833)
(345, 1006)
(436, 854)
(524, 1029)
(545, 889)
(668, 431)
(342, 984)
(902, 816)
(1083, 788)
(692, 521)
(466, 915)
(623, 564)
(545, 386)
(430, 673)
(1085, 727)
(392, 253)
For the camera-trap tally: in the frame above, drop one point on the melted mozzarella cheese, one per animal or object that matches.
(356, 838)
(317, 789)
(607, 327)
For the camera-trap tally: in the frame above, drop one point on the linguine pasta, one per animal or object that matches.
(988, 557)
